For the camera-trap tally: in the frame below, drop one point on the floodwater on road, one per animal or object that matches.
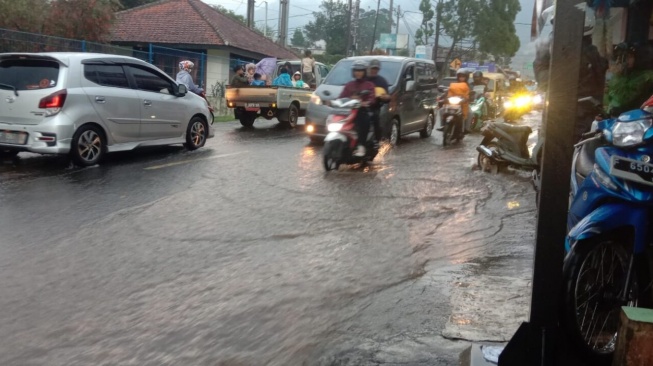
(246, 252)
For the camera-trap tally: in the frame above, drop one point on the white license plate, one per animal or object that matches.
(253, 105)
(13, 137)
(632, 170)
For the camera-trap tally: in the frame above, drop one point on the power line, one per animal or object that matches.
(293, 16)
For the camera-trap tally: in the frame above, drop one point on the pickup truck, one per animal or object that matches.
(284, 103)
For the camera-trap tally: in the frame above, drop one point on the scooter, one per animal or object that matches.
(608, 262)
(451, 115)
(342, 139)
(505, 144)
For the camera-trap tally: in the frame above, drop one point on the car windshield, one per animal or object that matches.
(341, 73)
(29, 74)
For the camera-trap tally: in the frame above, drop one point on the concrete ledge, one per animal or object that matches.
(473, 356)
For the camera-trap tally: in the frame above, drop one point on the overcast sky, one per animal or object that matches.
(301, 13)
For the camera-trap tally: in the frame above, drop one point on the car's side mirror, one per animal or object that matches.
(182, 90)
(410, 85)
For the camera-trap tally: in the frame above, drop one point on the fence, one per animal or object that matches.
(166, 59)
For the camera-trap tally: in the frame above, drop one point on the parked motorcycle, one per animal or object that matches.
(451, 115)
(506, 144)
(608, 261)
(342, 139)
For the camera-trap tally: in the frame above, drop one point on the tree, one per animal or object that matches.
(128, 4)
(298, 39)
(496, 33)
(230, 13)
(329, 25)
(425, 30)
(268, 32)
(23, 15)
(89, 20)
(366, 36)
(458, 21)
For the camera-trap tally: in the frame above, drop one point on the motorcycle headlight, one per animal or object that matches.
(522, 101)
(455, 100)
(315, 99)
(630, 133)
(507, 104)
(335, 127)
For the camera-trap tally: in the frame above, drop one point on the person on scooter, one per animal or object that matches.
(379, 82)
(353, 89)
(478, 80)
(459, 89)
(184, 77)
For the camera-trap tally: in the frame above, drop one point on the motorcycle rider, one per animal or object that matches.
(477, 80)
(379, 82)
(459, 89)
(353, 89)
(591, 80)
(184, 77)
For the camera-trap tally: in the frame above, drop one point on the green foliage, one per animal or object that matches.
(425, 30)
(366, 28)
(328, 60)
(23, 15)
(495, 29)
(230, 13)
(298, 39)
(329, 25)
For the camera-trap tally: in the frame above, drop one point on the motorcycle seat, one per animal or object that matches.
(586, 158)
(513, 129)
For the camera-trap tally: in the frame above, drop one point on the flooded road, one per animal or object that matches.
(247, 253)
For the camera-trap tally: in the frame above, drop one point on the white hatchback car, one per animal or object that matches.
(86, 105)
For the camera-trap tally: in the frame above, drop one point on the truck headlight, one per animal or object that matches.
(315, 99)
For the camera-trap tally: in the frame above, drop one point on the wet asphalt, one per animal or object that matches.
(246, 252)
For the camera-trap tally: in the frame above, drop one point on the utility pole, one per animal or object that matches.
(250, 13)
(349, 13)
(390, 18)
(283, 22)
(356, 28)
(438, 16)
(398, 15)
(265, 30)
(376, 21)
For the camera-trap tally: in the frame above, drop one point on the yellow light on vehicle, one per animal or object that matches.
(523, 101)
(231, 104)
(274, 105)
(310, 129)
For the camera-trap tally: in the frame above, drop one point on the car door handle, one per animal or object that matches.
(147, 103)
(100, 100)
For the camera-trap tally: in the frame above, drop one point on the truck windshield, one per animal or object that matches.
(341, 73)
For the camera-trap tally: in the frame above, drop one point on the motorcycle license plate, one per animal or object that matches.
(13, 137)
(632, 170)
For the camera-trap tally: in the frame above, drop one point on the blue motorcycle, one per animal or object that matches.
(608, 261)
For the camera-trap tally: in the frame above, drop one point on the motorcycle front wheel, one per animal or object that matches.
(448, 134)
(329, 161)
(595, 275)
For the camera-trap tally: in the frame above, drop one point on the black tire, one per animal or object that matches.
(317, 140)
(329, 162)
(293, 116)
(428, 128)
(603, 296)
(394, 134)
(247, 118)
(448, 134)
(196, 133)
(8, 154)
(88, 146)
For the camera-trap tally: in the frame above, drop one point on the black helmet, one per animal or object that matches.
(359, 65)
(478, 75)
(374, 63)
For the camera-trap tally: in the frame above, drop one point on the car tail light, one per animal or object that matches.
(54, 100)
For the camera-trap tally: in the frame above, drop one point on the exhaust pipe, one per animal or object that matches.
(485, 151)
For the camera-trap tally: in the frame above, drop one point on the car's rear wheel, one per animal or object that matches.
(196, 133)
(293, 116)
(88, 146)
(393, 138)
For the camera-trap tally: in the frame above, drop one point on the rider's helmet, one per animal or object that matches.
(374, 63)
(359, 65)
(186, 65)
(478, 75)
(462, 72)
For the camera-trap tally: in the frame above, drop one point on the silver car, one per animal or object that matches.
(86, 105)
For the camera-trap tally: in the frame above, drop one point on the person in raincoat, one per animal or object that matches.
(297, 81)
(283, 79)
(250, 70)
(184, 77)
